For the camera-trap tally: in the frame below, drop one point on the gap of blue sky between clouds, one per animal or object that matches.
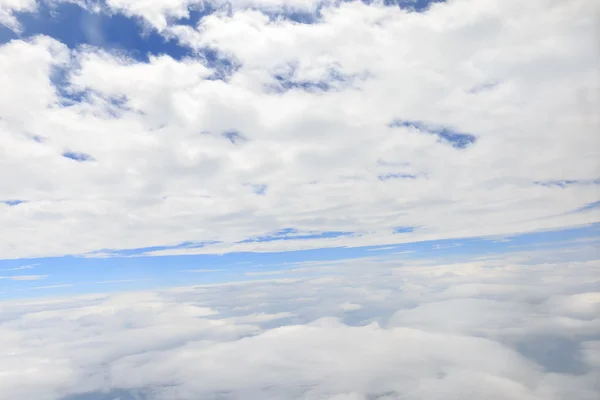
(75, 26)
(101, 27)
(458, 140)
(137, 269)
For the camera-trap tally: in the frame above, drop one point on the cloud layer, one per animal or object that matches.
(452, 122)
(290, 124)
(496, 327)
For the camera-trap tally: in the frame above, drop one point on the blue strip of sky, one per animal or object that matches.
(165, 271)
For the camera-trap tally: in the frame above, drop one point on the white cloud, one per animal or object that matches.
(24, 277)
(158, 13)
(520, 331)
(22, 267)
(404, 252)
(347, 306)
(446, 246)
(261, 317)
(116, 281)
(201, 270)
(382, 248)
(155, 12)
(57, 286)
(280, 271)
(164, 175)
(9, 7)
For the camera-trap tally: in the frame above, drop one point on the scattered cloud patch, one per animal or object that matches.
(22, 267)
(502, 240)
(24, 277)
(382, 248)
(222, 67)
(67, 94)
(404, 252)
(567, 182)
(9, 14)
(266, 273)
(112, 281)
(412, 5)
(287, 79)
(201, 270)
(195, 13)
(590, 206)
(57, 286)
(396, 176)
(299, 16)
(290, 234)
(446, 246)
(142, 251)
(279, 271)
(347, 306)
(87, 283)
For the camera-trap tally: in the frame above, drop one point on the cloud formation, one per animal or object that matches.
(298, 124)
(8, 8)
(20, 268)
(496, 97)
(509, 327)
(24, 277)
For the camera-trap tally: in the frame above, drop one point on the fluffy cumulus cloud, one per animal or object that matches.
(160, 13)
(363, 124)
(272, 125)
(508, 328)
(8, 8)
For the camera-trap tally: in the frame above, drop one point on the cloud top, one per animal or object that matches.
(496, 328)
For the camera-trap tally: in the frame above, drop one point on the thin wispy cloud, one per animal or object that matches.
(112, 281)
(404, 252)
(281, 271)
(22, 267)
(201, 270)
(446, 246)
(24, 277)
(57, 286)
(383, 248)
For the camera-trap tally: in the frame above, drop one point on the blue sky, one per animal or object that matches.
(132, 270)
(75, 26)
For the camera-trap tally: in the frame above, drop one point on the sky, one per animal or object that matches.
(299, 199)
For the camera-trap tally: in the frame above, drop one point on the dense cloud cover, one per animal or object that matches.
(510, 327)
(468, 118)
(274, 125)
